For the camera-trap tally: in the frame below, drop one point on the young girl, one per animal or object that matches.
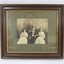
(23, 38)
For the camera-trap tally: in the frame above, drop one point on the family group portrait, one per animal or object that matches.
(32, 31)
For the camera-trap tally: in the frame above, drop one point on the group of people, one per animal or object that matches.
(30, 35)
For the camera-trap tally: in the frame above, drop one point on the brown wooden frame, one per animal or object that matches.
(4, 53)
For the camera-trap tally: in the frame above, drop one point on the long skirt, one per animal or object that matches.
(22, 40)
(40, 40)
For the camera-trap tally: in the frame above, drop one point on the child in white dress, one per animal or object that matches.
(23, 38)
(40, 39)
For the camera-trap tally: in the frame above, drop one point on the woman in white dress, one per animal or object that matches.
(23, 38)
(40, 39)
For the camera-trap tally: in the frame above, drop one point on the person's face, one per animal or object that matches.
(40, 29)
(24, 30)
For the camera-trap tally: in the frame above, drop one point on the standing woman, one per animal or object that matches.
(23, 38)
(40, 39)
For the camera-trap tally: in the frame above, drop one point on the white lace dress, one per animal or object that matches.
(23, 38)
(40, 39)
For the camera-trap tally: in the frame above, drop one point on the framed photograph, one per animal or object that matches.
(31, 31)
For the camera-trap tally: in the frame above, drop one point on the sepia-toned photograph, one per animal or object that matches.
(32, 31)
